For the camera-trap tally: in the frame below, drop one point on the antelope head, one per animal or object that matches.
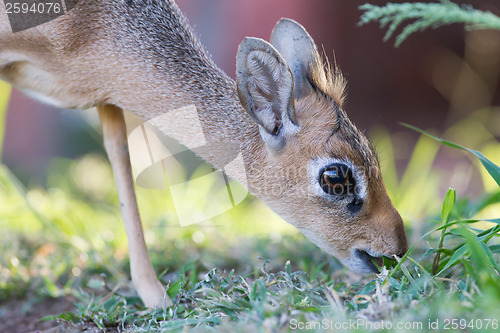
(311, 164)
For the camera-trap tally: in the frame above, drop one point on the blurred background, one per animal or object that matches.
(433, 80)
(443, 80)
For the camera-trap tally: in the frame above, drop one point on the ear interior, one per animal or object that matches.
(265, 89)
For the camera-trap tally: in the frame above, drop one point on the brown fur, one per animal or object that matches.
(141, 56)
(329, 79)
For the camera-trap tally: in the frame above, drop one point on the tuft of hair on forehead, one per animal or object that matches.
(328, 79)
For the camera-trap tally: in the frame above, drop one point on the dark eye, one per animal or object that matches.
(337, 179)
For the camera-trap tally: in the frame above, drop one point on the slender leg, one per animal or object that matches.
(144, 278)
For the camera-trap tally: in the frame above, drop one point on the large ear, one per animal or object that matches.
(298, 49)
(265, 89)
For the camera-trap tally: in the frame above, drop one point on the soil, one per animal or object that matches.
(14, 318)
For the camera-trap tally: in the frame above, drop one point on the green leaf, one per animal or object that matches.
(174, 289)
(495, 248)
(48, 318)
(316, 270)
(448, 204)
(69, 317)
(479, 255)
(111, 305)
(368, 288)
(162, 273)
(492, 168)
(455, 258)
(490, 256)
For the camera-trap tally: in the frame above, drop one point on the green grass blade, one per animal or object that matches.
(480, 257)
(495, 248)
(448, 204)
(400, 262)
(490, 256)
(492, 168)
(4, 100)
(455, 258)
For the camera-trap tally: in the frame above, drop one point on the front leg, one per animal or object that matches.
(144, 278)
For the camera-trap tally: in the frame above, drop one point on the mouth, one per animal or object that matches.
(370, 261)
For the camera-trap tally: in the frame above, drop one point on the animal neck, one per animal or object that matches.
(179, 89)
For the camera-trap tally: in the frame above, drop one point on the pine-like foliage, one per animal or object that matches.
(421, 16)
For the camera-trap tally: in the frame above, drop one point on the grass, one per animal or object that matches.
(66, 240)
(246, 270)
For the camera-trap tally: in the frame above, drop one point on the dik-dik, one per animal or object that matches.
(302, 155)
